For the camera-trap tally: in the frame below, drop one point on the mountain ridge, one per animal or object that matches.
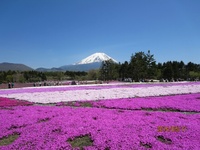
(93, 61)
(6, 66)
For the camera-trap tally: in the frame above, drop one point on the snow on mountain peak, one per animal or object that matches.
(96, 57)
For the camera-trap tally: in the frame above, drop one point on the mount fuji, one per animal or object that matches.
(93, 61)
(96, 57)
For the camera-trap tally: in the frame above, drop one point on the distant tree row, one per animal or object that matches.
(35, 76)
(143, 67)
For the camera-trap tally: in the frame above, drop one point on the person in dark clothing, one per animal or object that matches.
(12, 84)
(73, 82)
(9, 85)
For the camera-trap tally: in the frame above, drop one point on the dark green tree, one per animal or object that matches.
(138, 66)
(109, 70)
(151, 66)
(168, 71)
(124, 70)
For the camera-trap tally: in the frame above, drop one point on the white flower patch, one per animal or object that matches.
(101, 94)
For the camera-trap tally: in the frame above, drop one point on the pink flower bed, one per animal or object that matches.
(111, 117)
(115, 124)
(6, 102)
(186, 102)
(111, 129)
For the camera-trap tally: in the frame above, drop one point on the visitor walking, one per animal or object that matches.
(12, 84)
(9, 85)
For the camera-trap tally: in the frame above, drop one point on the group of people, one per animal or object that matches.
(10, 85)
(45, 83)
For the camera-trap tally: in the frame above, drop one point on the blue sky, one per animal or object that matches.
(53, 33)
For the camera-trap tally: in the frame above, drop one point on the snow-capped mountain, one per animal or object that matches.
(96, 57)
(91, 62)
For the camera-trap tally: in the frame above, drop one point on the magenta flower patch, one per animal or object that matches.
(108, 124)
(106, 117)
(6, 102)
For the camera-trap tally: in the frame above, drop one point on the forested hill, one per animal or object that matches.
(14, 67)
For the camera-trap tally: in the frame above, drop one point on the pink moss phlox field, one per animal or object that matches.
(99, 92)
(114, 124)
(89, 87)
(185, 102)
(50, 127)
(6, 102)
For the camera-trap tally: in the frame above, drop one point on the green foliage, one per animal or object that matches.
(9, 78)
(1, 77)
(9, 139)
(194, 75)
(86, 104)
(80, 142)
(75, 74)
(109, 70)
(138, 66)
(168, 71)
(22, 79)
(124, 70)
(58, 76)
(92, 75)
(151, 66)
(142, 66)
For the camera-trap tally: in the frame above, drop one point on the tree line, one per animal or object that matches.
(36, 76)
(141, 67)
